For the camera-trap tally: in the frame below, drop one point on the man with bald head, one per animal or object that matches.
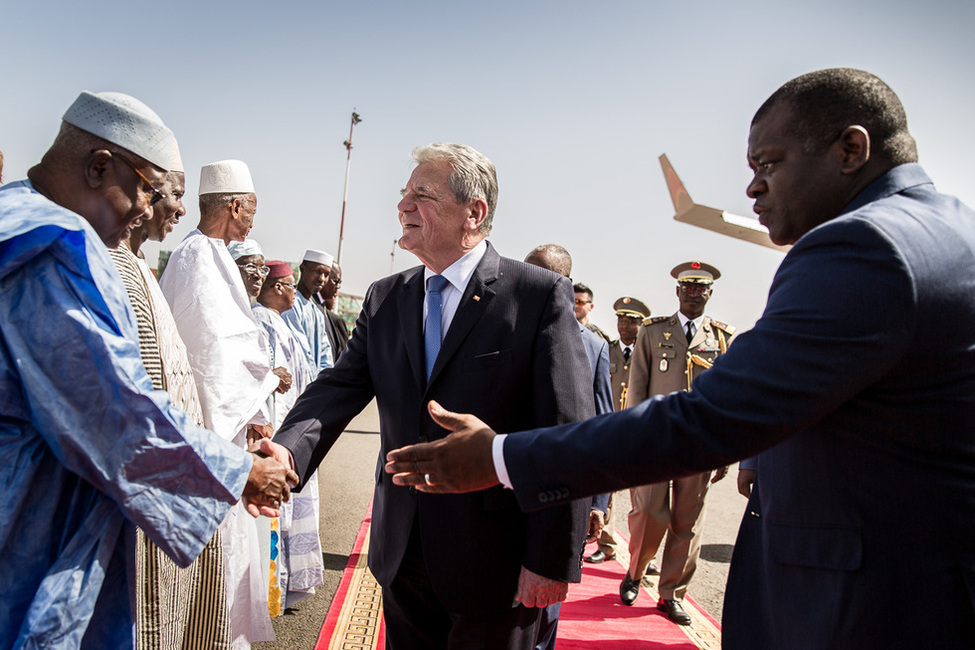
(556, 258)
(89, 450)
(864, 430)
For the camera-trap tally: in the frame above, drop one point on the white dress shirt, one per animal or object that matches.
(458, 276)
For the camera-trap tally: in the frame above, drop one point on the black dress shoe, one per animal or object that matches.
(629, 590)
(653, 569)
(674, 611)
(598, 557)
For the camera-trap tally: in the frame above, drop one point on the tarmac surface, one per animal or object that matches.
(346, 479)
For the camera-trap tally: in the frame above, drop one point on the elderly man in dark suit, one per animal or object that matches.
(487, 335)
(866, 430)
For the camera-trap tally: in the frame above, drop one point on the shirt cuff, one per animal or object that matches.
(497, 454)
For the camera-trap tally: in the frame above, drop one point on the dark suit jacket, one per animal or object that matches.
(338, 333)
(867, 410)
(597, 351)
(511, 355)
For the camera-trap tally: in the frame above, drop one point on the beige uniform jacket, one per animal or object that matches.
(662, 357)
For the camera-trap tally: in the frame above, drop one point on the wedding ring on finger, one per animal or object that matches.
(426, 479)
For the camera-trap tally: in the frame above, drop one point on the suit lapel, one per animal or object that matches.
(472, 306)
(411, 321)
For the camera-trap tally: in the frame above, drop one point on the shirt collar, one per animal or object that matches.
(459, 273)
(683, 321)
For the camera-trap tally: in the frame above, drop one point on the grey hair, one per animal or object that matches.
(472, 175)
(210, 203)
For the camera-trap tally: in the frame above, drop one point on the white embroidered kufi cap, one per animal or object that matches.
(123, 121)
(226, 177)
(318, 257)
(239, 249)
(177, 164)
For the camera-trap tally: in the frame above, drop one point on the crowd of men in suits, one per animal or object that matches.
(862, 435)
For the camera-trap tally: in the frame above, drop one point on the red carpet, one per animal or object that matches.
(592, 617)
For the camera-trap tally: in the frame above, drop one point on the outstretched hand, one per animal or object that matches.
(461, 462)
(270, 480)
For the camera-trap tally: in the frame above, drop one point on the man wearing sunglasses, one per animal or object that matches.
(88, 450)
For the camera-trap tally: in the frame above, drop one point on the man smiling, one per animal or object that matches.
(493, 336)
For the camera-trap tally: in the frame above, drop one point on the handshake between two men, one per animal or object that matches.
(270, 480)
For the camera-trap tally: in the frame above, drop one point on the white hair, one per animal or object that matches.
(472, 175)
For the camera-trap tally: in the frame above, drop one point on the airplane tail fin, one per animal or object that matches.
(678, 193)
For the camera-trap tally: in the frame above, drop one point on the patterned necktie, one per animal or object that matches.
(432, 333)
(690, 331)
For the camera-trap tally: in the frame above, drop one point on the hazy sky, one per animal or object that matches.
(573, 101)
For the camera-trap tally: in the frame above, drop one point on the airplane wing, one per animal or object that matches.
(713, 219)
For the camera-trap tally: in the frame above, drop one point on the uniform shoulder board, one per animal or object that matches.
(730, 329)
(649, 320)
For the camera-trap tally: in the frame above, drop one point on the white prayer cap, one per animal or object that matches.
(226, 177)
(177, 164)
(123, 121)
(318, 257)
(239, 249)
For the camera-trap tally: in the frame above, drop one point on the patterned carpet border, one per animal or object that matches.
(354, 620)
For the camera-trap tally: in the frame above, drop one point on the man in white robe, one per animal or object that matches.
(301, 568)
(227, 351)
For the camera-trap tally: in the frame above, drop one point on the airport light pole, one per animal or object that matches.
(356, 118)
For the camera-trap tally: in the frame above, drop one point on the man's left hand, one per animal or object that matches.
(284, 379)
(538, 591)
(719, 474)
(597, 521)
(255, 432)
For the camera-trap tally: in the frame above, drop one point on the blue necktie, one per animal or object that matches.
(432, 333)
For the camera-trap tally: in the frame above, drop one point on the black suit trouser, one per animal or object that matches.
(416, 619)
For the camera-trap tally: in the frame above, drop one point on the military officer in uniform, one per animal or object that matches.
(630, 313)
(670, 352)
